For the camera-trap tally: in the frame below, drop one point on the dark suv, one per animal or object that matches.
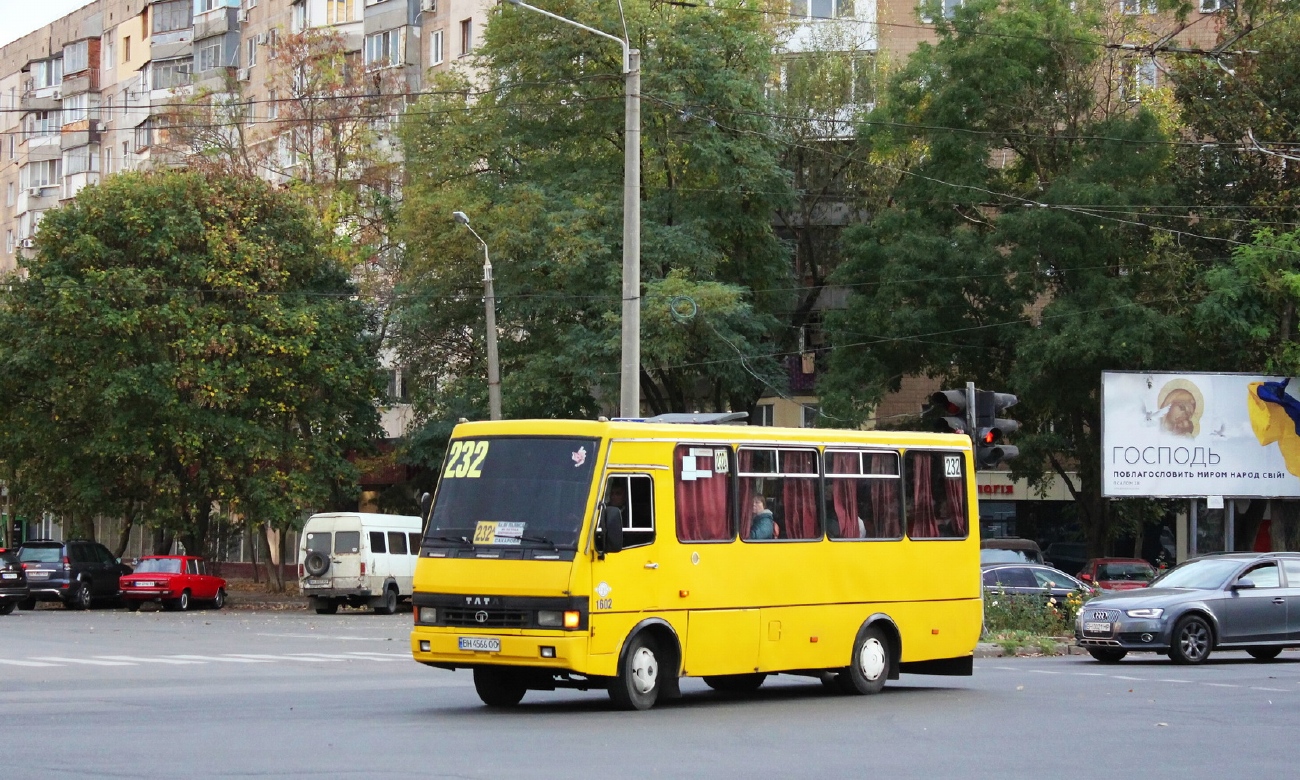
(13, 585)
(75, 572)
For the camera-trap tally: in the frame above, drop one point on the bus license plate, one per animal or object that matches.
(1097, 628)
(480, 644)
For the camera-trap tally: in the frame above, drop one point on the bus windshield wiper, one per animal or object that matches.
(454, 539)
(539, 539)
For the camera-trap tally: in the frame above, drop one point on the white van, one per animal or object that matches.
(356, 558)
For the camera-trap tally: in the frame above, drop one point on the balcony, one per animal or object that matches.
(31, 101)
(84, 81)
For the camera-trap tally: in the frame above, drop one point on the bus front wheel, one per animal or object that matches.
(637, 685)
(498, 687)
(869, 667)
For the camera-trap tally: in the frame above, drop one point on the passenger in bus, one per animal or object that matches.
(761, 524)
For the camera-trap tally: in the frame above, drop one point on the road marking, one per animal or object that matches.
(138, 659)
(1090, 674)
(405, 656)
(1173, 681)
(289, 657)
(1122, 677)
(338, 657)
(1042, 671)
(85, 661)
(226, 659)
(1223, 685)
(27, 663)
(1275, 690)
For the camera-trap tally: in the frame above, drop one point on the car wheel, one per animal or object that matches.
(219, 600)
(736, 683)
(1264, 653)
(1107, 655)
(7, 607)
(869, 667)
(183, 603)
(327, 607)
(27, 605)
(80, 598)
(498, 686)
(1192, 641)
(389, 605)
(637, 685)
(132, 606)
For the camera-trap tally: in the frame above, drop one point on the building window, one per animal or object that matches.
(1139, 78)
(41, 123)
(9, 242)
(126, 49)
(466, 36)
(47, 73)
(44, 173)
(1214, 6)
(79, 160)
(821, 9)
(339, 11)
(252, 52)
(76, 57)
(299, 16)
(173, 15)
(399, 385)
(77, 108)
(9, 195)
(210, 57)
(1135, 7)
(143, 135)
(172, 73)
(384, 48)
(272, 105)
(126, 151)
(435, 48)
(208, 5)
(810, 414)
(765, 414)
(106, 50)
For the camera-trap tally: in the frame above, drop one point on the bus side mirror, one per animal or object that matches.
(609, 537)
(426, 501)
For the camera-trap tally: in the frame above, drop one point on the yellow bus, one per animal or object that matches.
(625, 555)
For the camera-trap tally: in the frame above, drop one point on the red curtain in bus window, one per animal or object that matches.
(956, 488)
(701, 502)
(922, 524)
(799, 495)
(884, 499)
(844, 494)
(744, 463)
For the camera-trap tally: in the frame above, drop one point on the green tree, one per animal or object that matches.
(535, 157)
(186, 342)
(1012, 253)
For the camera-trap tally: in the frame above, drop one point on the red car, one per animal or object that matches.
(175, 581)
(1118, 573)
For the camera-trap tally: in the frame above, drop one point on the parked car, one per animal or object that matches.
(175, 581)
(356, 558)
(1118, 573)
(1010, 550)
(13, 582)
(75, 571)
(1069, 557)
(1232, 601)
(1032, 580)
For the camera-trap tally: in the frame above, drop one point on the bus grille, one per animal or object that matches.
(485, 618)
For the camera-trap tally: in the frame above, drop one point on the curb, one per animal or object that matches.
(993, 650)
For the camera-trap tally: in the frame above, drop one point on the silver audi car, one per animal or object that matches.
(1231, 601)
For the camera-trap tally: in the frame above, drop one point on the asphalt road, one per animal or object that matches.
(107, 693)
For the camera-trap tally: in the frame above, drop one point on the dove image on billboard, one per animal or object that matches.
(1200, 435)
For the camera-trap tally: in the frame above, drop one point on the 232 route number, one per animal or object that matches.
(466, 459)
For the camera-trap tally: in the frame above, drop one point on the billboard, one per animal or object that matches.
(1200, 435)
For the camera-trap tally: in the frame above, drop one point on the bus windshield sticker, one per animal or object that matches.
(465, 459)
(691, 470)
(493, 532)
(701, 452)
(952, 466)
(579, 457)
(720, 461)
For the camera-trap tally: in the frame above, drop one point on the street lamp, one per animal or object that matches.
(490, 302)
(630, 382)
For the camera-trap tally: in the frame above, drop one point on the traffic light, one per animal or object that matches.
(991, 430)
(947, 412)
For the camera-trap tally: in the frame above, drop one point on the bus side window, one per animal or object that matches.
(377, 542)
(863, 491)
(779, 494)
(936, 495)
(702, 493)
(633, 496)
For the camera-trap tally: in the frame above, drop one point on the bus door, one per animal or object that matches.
(631, 580)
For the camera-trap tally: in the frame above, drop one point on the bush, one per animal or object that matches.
(1026, 615)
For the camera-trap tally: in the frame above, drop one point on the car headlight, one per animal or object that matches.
(1144, 613)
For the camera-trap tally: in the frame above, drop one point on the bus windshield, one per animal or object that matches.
(498, 491)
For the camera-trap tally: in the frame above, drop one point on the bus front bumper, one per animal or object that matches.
(442, 647)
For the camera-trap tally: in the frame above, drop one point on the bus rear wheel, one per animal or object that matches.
(637, 685)
(498, 687)
(736, 683)
(869, 667)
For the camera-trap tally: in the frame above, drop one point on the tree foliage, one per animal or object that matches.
(531, 149)
(186, 341)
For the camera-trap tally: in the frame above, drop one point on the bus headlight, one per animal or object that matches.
(550, 618)
(427, 614)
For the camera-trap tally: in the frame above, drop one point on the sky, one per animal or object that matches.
(19, 17)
